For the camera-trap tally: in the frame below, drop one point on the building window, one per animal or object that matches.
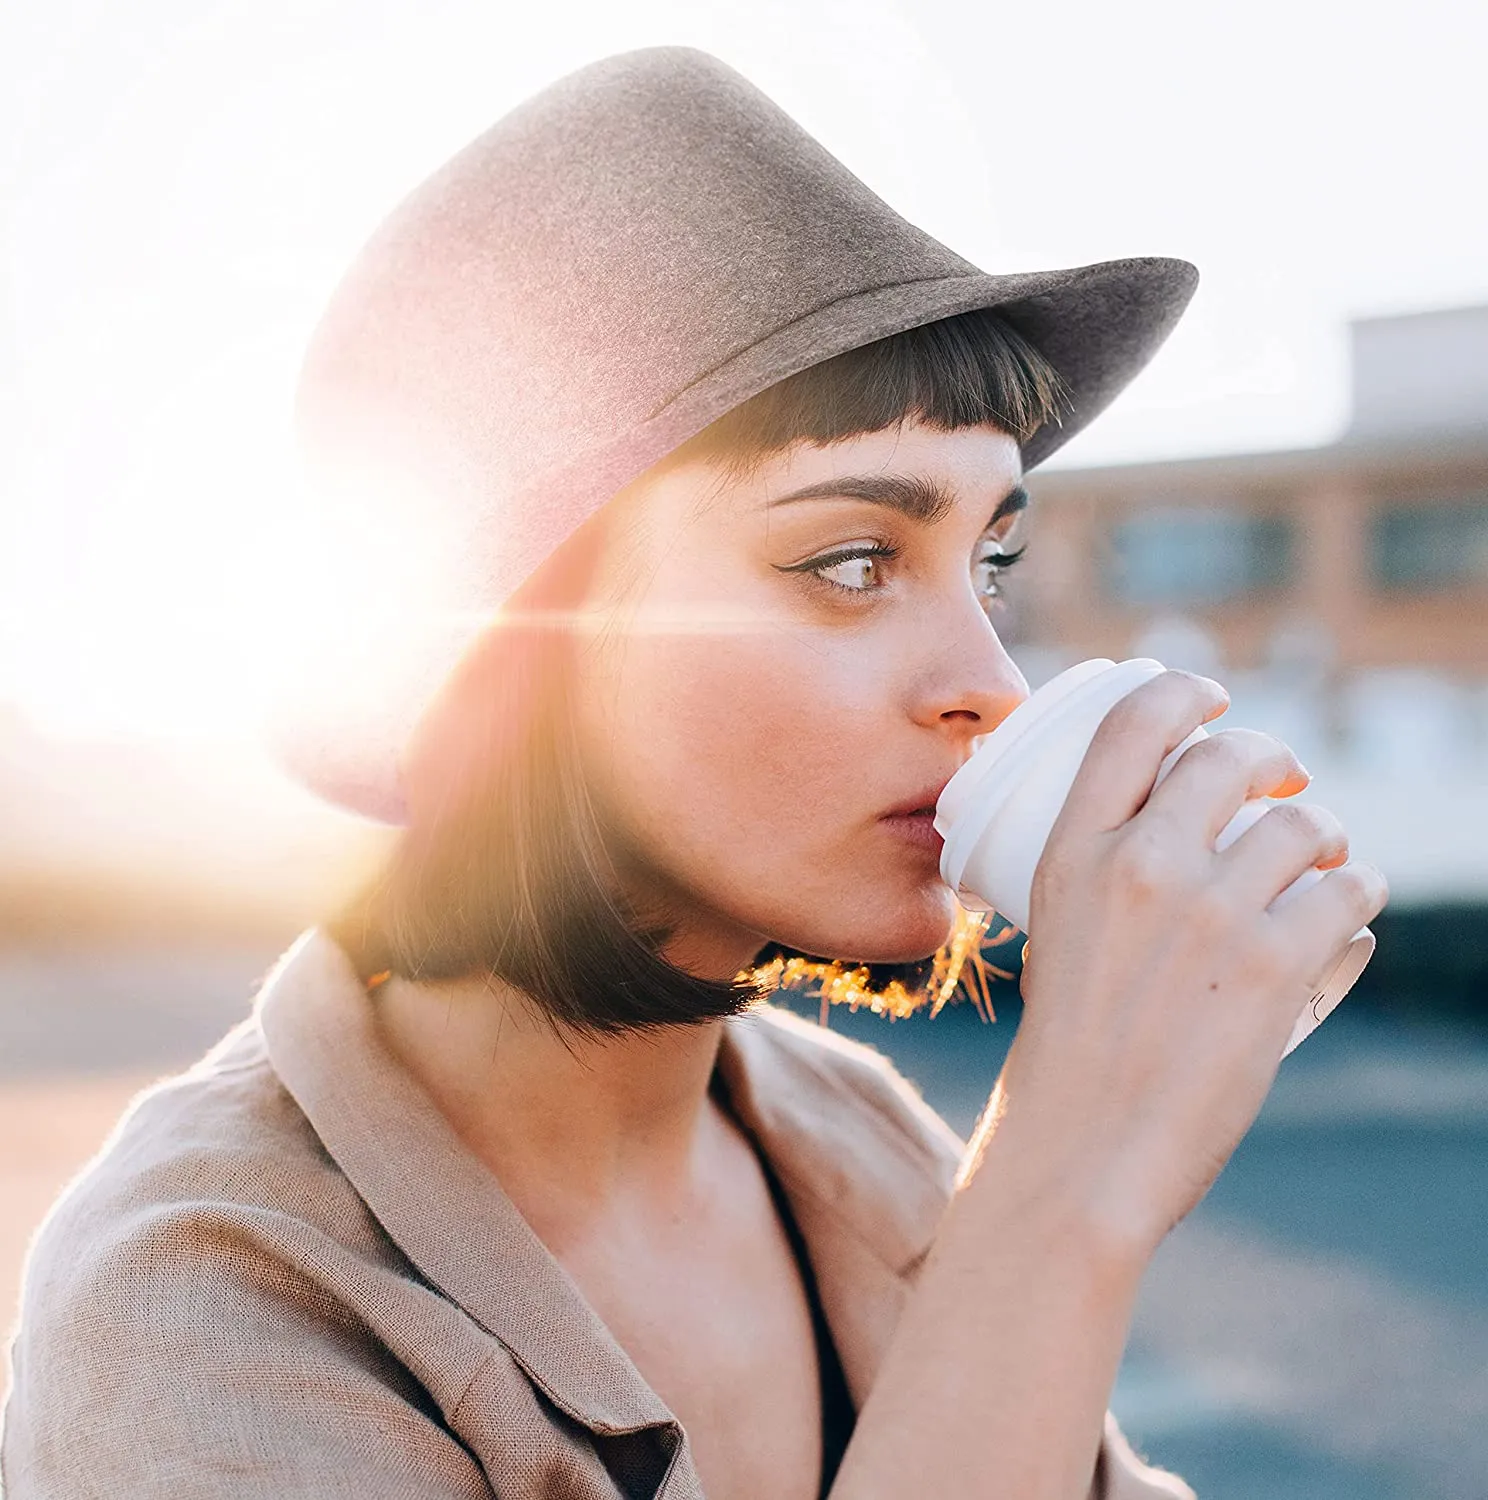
(1188, 556)
(1437, 546)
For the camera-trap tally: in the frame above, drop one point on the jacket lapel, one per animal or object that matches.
(866, 1166)
(445, 1211)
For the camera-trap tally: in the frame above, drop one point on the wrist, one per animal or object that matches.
(1028, 1169)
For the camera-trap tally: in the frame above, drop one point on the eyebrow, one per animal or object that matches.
(920, 499)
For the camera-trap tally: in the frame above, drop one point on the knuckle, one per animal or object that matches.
(1143, 864)
(1171, 698)
(1309, 824)
(1230, 748)
(1296, 819)
(1056, 867)
(1134, 712)
(1364, 886)
(1241, 751)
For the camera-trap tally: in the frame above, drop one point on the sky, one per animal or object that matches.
(184, 182)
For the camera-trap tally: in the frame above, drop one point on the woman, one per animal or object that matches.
(693, 471)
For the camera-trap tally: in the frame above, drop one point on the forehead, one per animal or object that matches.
(972, 465)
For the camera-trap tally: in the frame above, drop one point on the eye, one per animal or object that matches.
(990, 562)
(852, 570)
(855, 573)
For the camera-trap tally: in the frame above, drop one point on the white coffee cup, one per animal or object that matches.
(996, 812)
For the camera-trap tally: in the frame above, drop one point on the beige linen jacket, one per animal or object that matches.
(284, 1276)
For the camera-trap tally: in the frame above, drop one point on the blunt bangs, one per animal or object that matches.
(971, 370)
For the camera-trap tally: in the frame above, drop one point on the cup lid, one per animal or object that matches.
(991, 747)
(1098, 682)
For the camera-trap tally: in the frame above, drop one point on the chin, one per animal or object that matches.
(879, 931)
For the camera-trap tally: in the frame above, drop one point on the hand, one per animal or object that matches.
(1161, 992)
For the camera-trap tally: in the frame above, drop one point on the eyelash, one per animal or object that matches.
(817, 566)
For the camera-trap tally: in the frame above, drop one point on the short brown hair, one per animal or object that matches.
(510, 873)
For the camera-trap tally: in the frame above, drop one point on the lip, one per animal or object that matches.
(924, 803)
(916, 828)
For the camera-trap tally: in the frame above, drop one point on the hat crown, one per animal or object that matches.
(569, 273)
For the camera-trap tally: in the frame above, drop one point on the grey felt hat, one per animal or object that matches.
(613, 265)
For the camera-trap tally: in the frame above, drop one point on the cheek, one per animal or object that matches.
(748, 769)
(754, 734)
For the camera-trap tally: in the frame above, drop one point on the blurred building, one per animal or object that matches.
(1340, 592)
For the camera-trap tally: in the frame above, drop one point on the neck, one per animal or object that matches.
(570, 1125)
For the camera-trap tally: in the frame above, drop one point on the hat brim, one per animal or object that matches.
(1098, 325)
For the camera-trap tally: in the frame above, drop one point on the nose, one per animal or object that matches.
(966, 683)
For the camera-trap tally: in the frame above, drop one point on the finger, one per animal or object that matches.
(1321, 921)
(1120, 766)
(1211, 779)
(1285, 842)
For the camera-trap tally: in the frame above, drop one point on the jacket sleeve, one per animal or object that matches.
(171, 1356)
(1121, 1475)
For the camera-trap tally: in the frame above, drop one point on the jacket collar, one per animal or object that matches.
(866, 1195)
(867, 1170)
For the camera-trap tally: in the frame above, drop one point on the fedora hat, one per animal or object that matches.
(609, 268)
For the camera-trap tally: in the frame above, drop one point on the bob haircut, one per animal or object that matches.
(508, 872)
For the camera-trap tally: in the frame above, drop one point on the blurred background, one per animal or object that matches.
(1294, 498)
